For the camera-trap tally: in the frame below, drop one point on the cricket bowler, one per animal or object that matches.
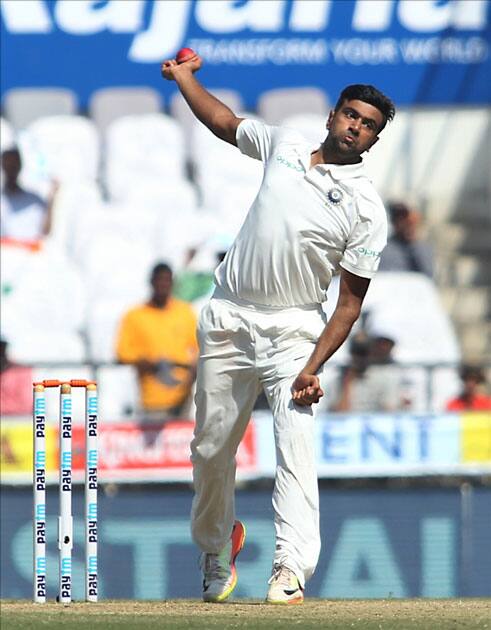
(316, 214)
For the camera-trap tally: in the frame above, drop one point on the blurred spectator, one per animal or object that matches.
(15, 385)
(196, 282)
(24, 215)
(381, 345)
(472, 397)
(159, 339)
(405, 250)
(370, 382)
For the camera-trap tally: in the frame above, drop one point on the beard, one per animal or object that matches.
(335, 148)
(336, 142)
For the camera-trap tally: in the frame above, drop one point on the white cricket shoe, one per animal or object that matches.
(284, 587)
(219, 572)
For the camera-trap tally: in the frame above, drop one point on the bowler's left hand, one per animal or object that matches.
(306, 389)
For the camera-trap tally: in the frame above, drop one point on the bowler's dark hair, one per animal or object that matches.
(372, 96)
(158, 268)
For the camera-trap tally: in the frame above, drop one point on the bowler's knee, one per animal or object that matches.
(210, 457)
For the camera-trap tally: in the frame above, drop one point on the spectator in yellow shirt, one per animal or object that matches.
(159, 339)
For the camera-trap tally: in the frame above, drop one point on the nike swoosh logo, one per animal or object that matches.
(290, 592)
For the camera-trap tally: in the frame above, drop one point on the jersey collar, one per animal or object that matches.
(336, 171)
(343, 171)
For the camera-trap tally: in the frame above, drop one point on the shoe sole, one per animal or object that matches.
(285, 602)
(238, 540)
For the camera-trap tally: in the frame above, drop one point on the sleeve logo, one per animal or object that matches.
(370, 253)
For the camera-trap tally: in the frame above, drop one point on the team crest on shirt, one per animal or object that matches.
(335, 196)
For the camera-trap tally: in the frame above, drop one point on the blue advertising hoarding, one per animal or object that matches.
(418, 51)
(376, 543)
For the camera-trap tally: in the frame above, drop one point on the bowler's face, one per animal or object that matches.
(354, 127)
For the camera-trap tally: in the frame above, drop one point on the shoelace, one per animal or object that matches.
(282, 574)
(212, 567)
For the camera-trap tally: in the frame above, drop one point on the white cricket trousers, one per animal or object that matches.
(243, 349)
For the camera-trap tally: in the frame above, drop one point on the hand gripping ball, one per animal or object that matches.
(185, 54)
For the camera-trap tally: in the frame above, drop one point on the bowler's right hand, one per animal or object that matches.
(306, 389)
(170, 69)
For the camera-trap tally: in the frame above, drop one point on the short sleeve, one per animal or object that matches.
(367, 239)
(254, 139)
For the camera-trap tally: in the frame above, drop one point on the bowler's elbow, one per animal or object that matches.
(225, 128)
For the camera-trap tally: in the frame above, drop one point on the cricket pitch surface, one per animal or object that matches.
(414, 614)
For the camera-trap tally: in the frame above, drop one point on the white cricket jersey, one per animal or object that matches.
(304, 223)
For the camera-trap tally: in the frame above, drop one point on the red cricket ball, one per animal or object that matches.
(185, 54)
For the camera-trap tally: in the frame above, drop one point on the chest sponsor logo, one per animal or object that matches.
(284, 162)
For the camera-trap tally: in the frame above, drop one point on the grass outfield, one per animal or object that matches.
(417, 614)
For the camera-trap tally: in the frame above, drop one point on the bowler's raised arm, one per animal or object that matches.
(214, 114)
